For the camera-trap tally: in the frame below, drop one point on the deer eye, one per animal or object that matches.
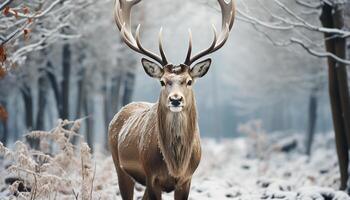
(162, 83)
(189, 83)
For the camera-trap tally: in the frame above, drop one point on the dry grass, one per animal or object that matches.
(60, 170)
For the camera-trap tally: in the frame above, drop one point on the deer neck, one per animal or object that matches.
(176, 134)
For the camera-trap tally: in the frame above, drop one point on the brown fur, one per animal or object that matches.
(176, 137)
(156, 147)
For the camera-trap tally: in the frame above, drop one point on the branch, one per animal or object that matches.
(302, 44)
(308, 4)
(35, 46)
(32, 17)
(41, 14)
(252, 20)
(4, 4)
(339, 32)
(11, 36)
(319, 54)
(289, 24)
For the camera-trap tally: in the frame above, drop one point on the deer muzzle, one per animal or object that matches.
(176, 103)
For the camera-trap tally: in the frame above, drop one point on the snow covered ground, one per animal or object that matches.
(247, 169)
(228, 170)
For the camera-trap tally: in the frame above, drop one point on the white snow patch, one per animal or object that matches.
(228, 171)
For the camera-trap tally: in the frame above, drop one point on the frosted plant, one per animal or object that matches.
(86, 171)
(56, 171)
(257, 143)
(257, 139)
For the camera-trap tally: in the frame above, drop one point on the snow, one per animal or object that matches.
(229, 171)
(226, 172)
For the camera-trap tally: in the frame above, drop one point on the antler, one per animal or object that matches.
(228, 15)
(122, 17)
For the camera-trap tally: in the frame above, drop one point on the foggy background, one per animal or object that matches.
(65, 72)
(250, 77)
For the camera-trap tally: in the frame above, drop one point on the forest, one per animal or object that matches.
(273, 109)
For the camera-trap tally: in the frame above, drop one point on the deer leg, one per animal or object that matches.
(182, 192)
(152, 192)
(126, 185)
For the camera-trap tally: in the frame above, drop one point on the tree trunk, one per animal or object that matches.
(89, 124)
(111, 103)
(4, 136)
(115, 94)
(3, 122)
(42, 100)
(66, 64)
(56, 90)
(128, 88)
(28, 106)
(80, 95)
(107, 107)
(342, 76)
(332, 17)
(80, 99)
(312, 120)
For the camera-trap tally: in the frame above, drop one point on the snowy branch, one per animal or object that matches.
(40, 24)
(308, 4)
(319, 54)
(289, 24)
(294, 23)
(4, 4)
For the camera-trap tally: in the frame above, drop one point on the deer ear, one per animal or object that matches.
(200, 69)
(151, 68)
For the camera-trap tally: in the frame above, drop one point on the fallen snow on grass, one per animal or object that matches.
(242, 168)
(228, 171)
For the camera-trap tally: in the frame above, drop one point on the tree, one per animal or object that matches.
(333, 17)
(302, 29)
(29, 26)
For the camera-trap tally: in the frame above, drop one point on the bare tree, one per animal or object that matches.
(333, 17)
(302, 29)
(31, 25)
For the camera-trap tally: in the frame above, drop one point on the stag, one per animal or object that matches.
(158, 145)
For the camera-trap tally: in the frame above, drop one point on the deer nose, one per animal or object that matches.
(175, 100)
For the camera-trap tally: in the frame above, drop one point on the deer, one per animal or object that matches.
(158, 144)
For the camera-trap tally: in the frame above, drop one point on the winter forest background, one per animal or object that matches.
(64, 59)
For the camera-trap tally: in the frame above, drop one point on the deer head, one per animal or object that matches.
(176, 80)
